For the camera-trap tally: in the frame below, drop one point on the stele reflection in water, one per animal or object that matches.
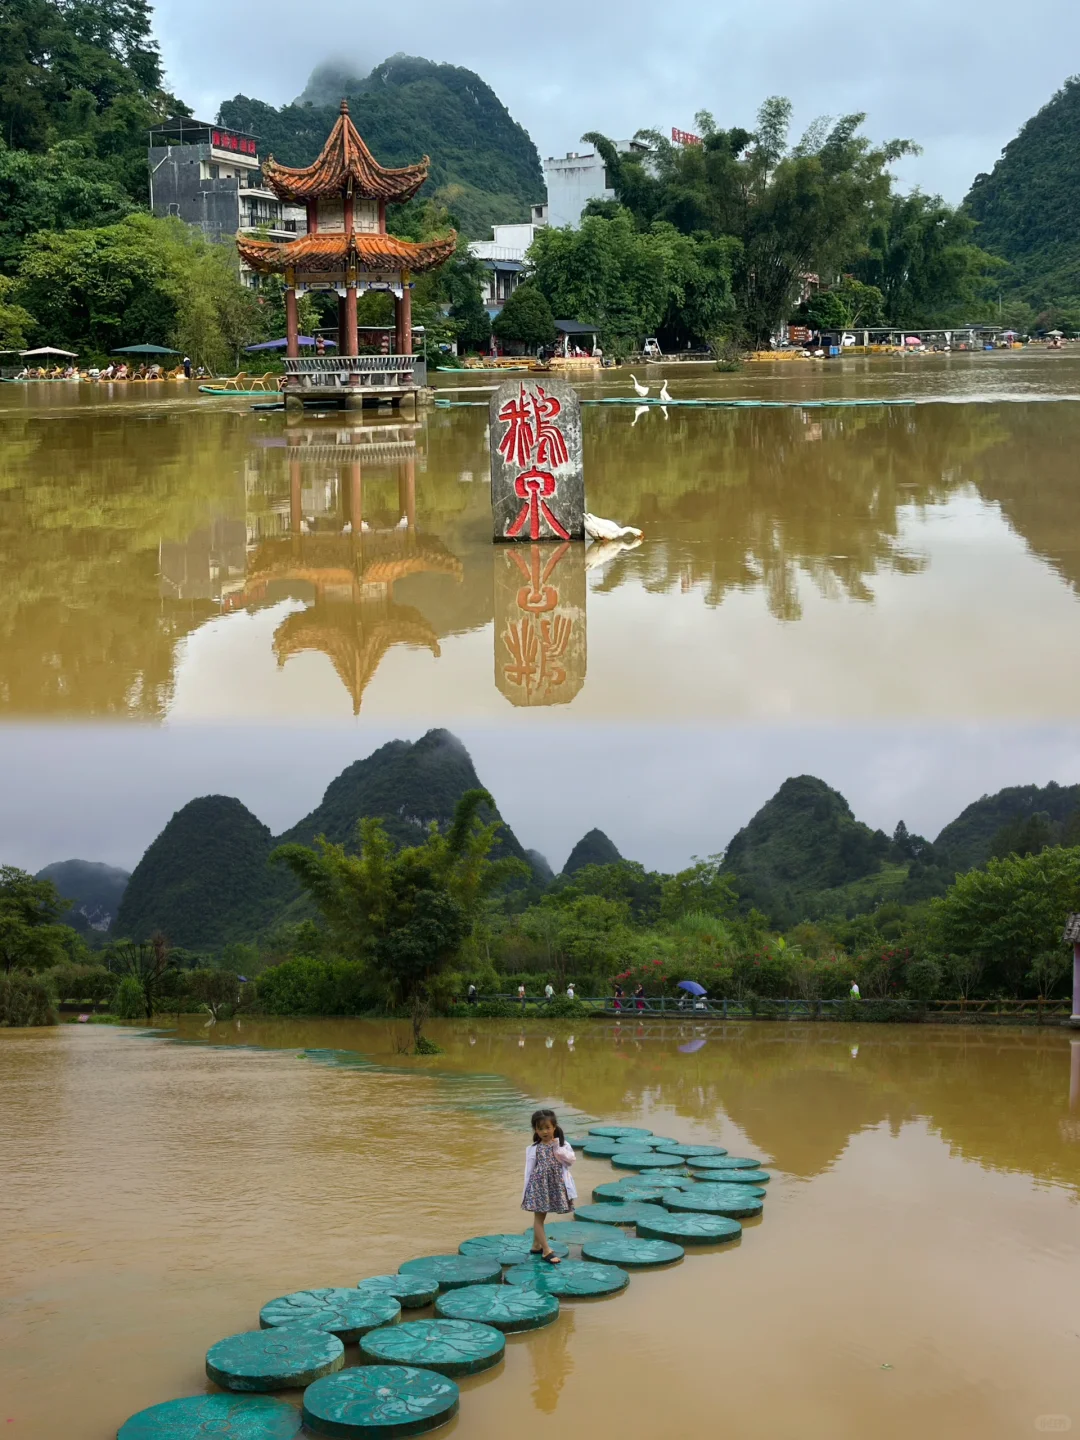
(540, 638)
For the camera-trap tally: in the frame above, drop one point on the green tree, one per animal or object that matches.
(405, 914)
(32, 936)
(15, 322)
(526, 319)
(920, 254)
(146, 965)
(1008, 914)
(65, 188)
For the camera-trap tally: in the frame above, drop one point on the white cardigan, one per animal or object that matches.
(565, 1156)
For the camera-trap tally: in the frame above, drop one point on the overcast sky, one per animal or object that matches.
(663, 793)
(958, 76)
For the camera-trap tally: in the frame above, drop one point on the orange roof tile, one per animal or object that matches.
(332, 252)
(345, 163)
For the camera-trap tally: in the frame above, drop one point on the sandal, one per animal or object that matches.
(536, 1252)
(551, 1258)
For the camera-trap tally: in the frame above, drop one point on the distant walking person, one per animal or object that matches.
(856, 993)
(570, 991)
(620, 996)
(639, 995)
(549, 993)
(472, 997)
(549, 1186)
(521, 995)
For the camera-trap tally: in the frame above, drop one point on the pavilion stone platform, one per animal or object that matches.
(347, 250)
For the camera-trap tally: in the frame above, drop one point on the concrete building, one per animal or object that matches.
(573, 180)
(503, 258)
(210, 176)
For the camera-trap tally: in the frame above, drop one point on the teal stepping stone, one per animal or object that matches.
(695, 1229)
(688, 1151)
(293, 1355)
(453, 1271)
(601, 1149)
(379, 1400)
(733, 1177)
(200, 1417)
(507, 1249)
(571, 1232)
(632, 1185)
(411, 1291)
(347, 1314)
(449, 1347)
(724, 1162)
(573, 1278)
(614, 1193)
(644, 1160)
(613, 1214)
(738, 1201)
(632, 1252)
(508, 1307)
(619, 1132)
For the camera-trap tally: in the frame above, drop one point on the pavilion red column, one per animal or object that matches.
(403, 323)
(292, 324)
(351, 344)
(341, 323)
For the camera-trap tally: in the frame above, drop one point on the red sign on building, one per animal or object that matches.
(226, 140)
(684, 137)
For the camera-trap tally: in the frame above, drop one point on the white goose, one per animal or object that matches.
(599, 529)
(346, 529)
(664, 393)
(642, 390)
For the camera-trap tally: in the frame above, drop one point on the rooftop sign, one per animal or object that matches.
(684, 137)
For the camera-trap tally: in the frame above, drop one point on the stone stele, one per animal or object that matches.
(537, 476)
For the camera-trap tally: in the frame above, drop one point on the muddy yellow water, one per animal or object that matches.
(915, 1272)
(170, 555)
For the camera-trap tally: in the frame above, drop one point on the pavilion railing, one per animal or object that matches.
(377, 372)
(792, 1008)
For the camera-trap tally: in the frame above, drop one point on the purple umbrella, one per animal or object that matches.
(692, 987)
(281, 344)
(692, 1046)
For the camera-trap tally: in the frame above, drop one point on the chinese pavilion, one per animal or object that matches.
(346, 247)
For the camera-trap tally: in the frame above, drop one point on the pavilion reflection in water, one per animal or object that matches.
(540, 636)
(314, 543)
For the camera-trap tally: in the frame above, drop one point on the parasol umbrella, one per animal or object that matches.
(47, 350)
(692, 987)
(281, 344)
(912, 340)
(143, 350)
(1056, 334)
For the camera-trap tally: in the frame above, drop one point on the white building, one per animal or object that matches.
(575, 179)
(503, 257)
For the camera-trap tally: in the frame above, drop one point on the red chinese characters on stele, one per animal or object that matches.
(536, 446)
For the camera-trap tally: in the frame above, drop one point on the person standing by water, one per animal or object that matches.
(549, 1186)
(521, 997)
(620, 995)
(855, 993)
(472, 997)
(549, 993)
(639, 995)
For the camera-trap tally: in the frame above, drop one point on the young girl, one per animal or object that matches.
(549, 1186)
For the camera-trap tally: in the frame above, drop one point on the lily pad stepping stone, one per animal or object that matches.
(573, 1278)
(411, 1291)
(735, 1200)
(733, 1177)
(347, 1314)
(373, 1401)
(293, 1355)
(453, 1271)
(571, 1232)
(256, 1417)
(508, 1307)
(688, 1151)
(614, 1193)
(613, 1214)
(644, 1160)
(619, 1132)
(635, 1254)
(695, 1229)
(632, 1185)
(724, 1162)
(449, 1347)
(602, 1149)
(506, 1249)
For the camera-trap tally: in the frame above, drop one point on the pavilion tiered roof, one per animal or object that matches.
(331, 251)
(345, 165)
